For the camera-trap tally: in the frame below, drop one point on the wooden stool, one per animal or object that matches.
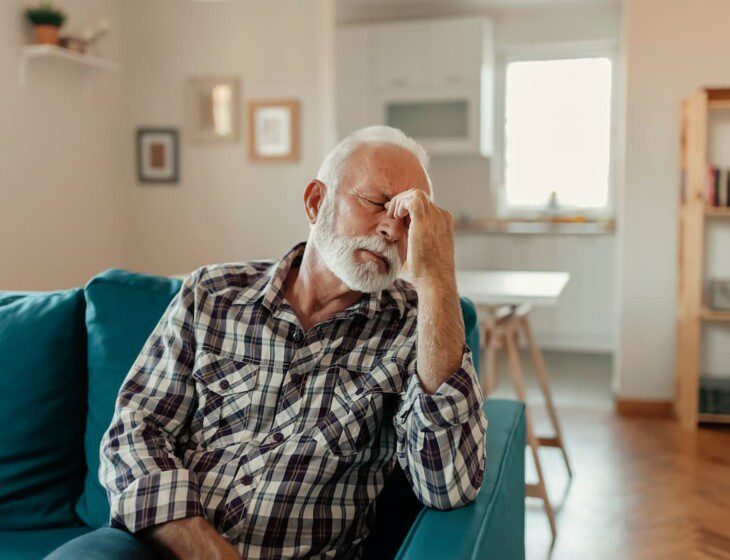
(501, 328)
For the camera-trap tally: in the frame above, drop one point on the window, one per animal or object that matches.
(557, 133)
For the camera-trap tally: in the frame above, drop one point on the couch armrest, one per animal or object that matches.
(493, 526)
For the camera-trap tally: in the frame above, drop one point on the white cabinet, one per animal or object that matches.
(400, 61)
(432, 78)
(455, 51)
(355, 87)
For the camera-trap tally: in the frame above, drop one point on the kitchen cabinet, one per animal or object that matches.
(433, 78)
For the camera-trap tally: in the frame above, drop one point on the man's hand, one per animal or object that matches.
(430, 260)
(430, 237)
(191, 538)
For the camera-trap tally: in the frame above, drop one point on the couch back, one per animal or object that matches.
(65, 355)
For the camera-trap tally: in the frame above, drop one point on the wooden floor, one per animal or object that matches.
(643, 489)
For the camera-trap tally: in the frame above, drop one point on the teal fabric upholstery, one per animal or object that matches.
(42, 385)
(34, 545)
(493, 526)
(122, 309)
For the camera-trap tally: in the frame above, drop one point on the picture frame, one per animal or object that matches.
(157, 155)
(273, 126)
(212, 113)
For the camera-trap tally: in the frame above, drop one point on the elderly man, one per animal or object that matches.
(270, 403)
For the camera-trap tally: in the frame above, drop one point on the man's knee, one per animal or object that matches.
(103, 544)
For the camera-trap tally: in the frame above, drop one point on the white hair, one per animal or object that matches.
(333, 167)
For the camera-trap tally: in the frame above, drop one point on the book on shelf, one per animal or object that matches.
(718, 186)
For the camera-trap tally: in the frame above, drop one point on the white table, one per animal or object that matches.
(517, 291)
(511, 287)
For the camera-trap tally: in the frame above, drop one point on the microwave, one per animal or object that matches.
(446, 123)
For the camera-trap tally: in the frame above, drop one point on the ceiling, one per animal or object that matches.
(501, 4)
(351, 11)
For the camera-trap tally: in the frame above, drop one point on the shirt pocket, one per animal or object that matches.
(224, 386)
(361, 402)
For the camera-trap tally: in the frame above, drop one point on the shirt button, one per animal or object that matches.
(225, 384)
(247, 479)
(296, 378)
(297, 336)
(278, 437)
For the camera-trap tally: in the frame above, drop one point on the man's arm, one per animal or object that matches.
(440, 423)
(150, 491)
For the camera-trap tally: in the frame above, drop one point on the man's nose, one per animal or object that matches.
(393, 229)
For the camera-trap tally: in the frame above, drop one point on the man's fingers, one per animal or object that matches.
(407, 204)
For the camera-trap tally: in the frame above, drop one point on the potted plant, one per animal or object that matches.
(46, 20)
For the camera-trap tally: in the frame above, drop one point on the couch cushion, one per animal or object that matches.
(42, 407)
(122, 309)
(34, 545)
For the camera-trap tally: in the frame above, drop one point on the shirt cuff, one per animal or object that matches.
(157, 498)
(455, 400)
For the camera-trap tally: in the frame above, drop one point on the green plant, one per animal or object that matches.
(45, 14)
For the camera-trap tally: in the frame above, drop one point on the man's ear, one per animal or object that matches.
(313, 196)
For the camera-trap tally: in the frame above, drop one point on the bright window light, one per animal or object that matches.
(557, 132)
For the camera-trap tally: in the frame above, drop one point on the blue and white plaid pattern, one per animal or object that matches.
(283, 439)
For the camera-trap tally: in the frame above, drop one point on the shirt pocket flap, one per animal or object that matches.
(386, 377)
(224, 375)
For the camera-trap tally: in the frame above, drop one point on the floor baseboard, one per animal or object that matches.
(634, 407)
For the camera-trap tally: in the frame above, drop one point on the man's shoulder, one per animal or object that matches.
(219, 278)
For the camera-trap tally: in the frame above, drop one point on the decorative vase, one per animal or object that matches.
(46, 34)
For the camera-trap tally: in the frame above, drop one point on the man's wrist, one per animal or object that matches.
(189, 537)
(436, 284)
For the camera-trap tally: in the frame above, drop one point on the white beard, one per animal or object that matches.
(338, 253)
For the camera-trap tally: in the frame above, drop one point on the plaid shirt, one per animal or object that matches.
(283, 439)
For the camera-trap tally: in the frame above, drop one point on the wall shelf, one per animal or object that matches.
(52, 52)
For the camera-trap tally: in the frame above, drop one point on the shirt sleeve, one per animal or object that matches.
(441, 437)
(144, 479)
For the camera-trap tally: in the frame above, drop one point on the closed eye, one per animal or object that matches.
(373, 202)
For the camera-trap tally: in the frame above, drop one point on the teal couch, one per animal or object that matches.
(63, 356)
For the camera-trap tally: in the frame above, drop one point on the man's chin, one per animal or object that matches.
(369, 283)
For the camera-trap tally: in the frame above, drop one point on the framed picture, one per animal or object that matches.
(211, 109)
(157, 155)
(273, 127)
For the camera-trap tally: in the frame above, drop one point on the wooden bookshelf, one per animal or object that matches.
(692, 313)
(717, 212)
(714, 418)
(714, 316)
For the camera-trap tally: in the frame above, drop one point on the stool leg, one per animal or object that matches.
(538, 490)
(541, 372)
(491, 365)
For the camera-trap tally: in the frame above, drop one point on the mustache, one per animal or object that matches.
(379, 245)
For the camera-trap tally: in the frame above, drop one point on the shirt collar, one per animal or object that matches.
(269, 290)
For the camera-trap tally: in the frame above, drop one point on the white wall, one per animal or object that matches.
(671, 47)
(585, 318)
(225, 208)
(70, 205)
(60, 188)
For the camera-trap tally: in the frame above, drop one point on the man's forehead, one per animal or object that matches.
(384, 169)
